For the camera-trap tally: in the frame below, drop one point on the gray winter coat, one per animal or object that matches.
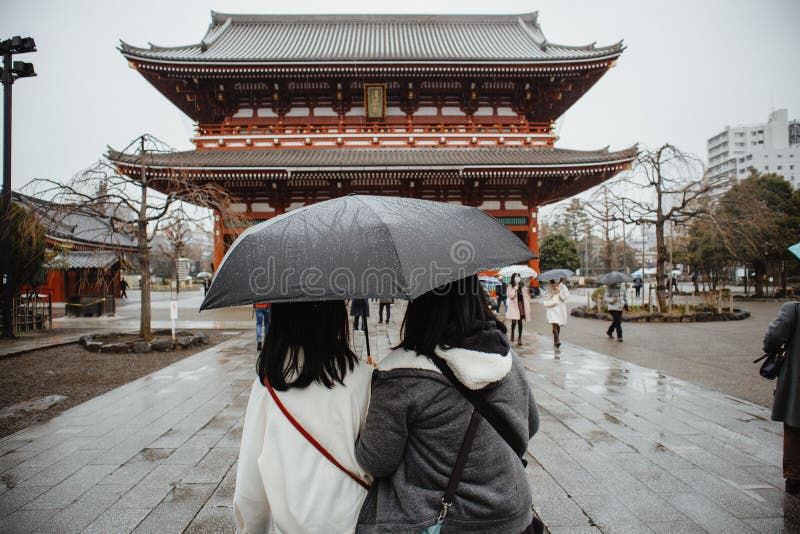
(414, 428)
(786, 329)
(615, 298)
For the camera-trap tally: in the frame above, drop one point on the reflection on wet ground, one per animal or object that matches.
(621, 449)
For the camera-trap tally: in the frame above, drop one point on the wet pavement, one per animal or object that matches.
(715, 355)
(622, 448)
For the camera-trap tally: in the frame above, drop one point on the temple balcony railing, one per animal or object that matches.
(373, 134)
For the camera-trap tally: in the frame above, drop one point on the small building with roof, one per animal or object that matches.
(87, 255)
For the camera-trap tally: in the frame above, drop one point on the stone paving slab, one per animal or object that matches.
(621, 448)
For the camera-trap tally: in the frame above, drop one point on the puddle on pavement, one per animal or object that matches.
(152, 455)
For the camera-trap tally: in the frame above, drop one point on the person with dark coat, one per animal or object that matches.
(123, 287)
(637, 285)
(417, 420)
(384, 304)
(785, 331)
(359, 308)
(502, 294)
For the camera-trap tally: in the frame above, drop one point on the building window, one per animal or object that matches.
(761, 131)
(749, 157)
(761, 142)
(780, 167)
(780, 155)
(791, 167)
(766, 167)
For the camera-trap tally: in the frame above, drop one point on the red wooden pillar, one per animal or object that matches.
(219, 239)
(533, 237)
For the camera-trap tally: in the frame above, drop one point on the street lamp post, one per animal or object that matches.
(10, 73)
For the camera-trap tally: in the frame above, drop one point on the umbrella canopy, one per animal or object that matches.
(795, 249)
(555, 274)
(522, 270)
(647, 272)
(204, 274)
(614, 277)
(489, 280)
(360, 246)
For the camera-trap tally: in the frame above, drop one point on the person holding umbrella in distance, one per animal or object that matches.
(556, 302)
(519, 308)
(297, 470)
(616, 300)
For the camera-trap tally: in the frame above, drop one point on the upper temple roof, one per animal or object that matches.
(314, 39)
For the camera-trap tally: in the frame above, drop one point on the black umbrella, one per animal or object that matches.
(614, 277)
(360, 246)
(555, 274)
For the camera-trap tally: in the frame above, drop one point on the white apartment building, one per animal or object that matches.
(771, 147)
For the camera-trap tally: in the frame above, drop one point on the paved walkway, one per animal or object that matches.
(621, 449)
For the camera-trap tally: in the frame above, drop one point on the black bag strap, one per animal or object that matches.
(461, 461)
(480, 404)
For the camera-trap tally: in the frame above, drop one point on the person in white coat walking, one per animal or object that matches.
(556, 308)
(306, 372)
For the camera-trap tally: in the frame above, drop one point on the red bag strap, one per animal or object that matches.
(311, 439)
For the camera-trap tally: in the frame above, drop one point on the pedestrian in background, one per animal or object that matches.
(384, 304)
(784, 331)
(284, 482)
(262, 312)
(518, 308)
(616, 300)
(123, 286)
(637, 285)
(556, 308)
(502, 294)
(359, 309)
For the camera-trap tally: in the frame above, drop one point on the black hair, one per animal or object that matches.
(514, 280)
(445, 316)
(306, 342)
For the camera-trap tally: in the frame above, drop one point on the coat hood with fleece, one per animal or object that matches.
(483, 357)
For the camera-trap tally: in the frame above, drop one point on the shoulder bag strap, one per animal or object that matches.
(310, 438)
(480, 404)
(461, 461)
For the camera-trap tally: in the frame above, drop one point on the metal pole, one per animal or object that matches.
(7, 80)
(643, 270)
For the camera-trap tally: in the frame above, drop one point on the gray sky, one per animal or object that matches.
(691, 68)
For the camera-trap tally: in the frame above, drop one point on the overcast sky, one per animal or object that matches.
(690, 68)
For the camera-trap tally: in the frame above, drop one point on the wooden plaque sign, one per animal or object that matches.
(375, 101)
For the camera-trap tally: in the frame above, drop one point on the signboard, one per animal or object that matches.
(375, 101)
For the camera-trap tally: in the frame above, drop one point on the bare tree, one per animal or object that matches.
(129, 205)
(668, 186)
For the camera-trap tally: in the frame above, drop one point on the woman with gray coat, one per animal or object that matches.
(417, 420)
(785, 330)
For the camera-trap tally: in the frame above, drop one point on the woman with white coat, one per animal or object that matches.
(518, 308)
(306, 372)
(556, 308)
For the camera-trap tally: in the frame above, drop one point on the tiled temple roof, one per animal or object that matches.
(377, 159)
(293, 39)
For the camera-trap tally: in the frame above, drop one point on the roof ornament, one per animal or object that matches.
(213, 33)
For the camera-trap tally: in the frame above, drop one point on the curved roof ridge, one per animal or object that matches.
(478, 18)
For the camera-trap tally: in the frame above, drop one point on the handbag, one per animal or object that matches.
(773, 364)
(311, 439)
(455, 476)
